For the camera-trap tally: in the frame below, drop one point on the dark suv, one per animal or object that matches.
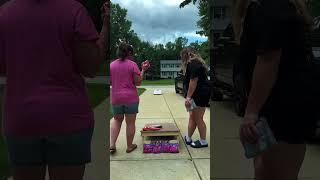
(216, 93)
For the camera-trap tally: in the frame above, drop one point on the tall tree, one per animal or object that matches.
(314, 7)
(204, 22)
(120, 28)
(180, 43)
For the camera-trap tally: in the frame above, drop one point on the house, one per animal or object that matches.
(169, 68)
(222, 14)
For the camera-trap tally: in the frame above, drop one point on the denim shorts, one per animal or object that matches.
(126, 108)
(59, 150)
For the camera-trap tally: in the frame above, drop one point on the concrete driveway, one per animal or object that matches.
(191, 164)
(229, 154)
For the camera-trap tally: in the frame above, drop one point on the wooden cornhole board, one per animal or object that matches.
(169, 131)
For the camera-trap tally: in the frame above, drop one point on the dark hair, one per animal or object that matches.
(123, 51)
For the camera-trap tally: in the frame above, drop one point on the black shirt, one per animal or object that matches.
(195, 69)
(274, 25)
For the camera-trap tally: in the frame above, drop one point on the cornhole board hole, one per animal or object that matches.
(157, 92)
(164, 140)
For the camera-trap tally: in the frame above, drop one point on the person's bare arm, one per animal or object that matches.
(192, 87)
(90, 54)
(138, 79)
(264, 77)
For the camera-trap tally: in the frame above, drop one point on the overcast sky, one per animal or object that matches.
(160, 21)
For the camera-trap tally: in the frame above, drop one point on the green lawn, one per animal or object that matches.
(97, 94)
(158, 82)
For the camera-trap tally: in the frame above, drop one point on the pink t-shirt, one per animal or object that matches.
(45, 93)
(124, 90)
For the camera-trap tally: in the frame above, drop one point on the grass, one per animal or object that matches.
(97, 94)
(140, 91)
(158, 82)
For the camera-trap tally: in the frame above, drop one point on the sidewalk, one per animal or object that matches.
(229, 154)
(191, 164)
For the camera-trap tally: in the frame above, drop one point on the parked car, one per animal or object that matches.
(216, 94)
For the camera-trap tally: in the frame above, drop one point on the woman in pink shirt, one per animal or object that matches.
(46, 49)
(125, 76)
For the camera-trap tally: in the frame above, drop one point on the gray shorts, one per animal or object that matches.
(126, 108)
(61, 150)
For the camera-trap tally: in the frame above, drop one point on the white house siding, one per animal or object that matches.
(169, 68)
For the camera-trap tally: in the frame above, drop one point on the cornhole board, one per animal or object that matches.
(157, 92)
(168, 134)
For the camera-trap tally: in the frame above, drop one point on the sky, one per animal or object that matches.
(161, 21)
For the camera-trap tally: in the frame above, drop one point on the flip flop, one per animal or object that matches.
(133, 147)
(197, 144)
(113, 150)
(187, 142)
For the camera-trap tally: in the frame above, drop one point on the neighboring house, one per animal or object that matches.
(169, 68)
(222, 13)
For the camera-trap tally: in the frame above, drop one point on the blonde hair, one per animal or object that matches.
(240, 10)
(187, 54)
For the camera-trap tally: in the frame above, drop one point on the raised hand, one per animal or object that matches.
(145, 65)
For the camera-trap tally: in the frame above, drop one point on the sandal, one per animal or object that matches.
(187, 142)
(197, 144)
(133, 147)
(113, 150)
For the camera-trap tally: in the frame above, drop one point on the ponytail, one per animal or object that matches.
(123, 51)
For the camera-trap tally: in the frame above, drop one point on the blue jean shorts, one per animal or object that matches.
(60, 150)
(126, 108)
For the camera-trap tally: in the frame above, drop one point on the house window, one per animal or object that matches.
(171, 65)
(177, 65)
(219, 12)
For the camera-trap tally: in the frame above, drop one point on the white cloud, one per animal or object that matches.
(160, 21)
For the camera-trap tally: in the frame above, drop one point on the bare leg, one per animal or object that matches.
(115, 129)
(198, 113)
(67, 172)
(131, 128)
(281, 162)
(34, 173)
(192, 124)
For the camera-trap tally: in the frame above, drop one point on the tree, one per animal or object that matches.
(120, 28)
(314, 7)
(180, 43)
(204, 22)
